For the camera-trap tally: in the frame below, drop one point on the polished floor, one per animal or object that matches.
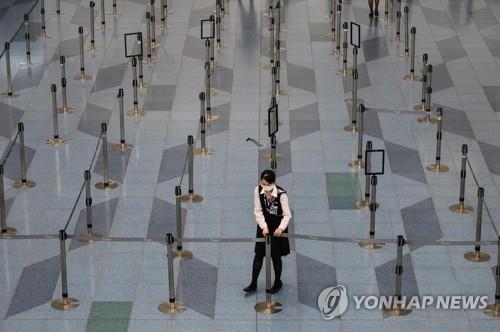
(120, 284)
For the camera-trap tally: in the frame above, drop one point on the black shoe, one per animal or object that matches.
(371, 13)
(250, 288)
(276, 287)
(376, 12)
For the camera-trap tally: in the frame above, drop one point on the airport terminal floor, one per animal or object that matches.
(132, 143)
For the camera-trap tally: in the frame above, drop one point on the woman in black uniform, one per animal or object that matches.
(272, 215)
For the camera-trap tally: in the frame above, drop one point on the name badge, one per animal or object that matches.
(273, 210)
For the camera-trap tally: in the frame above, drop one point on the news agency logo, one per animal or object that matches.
(333, 302)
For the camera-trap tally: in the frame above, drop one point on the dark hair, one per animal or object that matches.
(269, 176)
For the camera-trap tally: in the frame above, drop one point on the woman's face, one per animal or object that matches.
(268, 187)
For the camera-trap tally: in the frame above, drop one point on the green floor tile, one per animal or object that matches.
(109, 316)
(343, 190)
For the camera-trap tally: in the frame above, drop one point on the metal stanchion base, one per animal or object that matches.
(214, 64)
(66, 110)
(83, 78)
(370, 246)
(45, 36)
(267, 156)
(7, 95)
(419, 107)
(67, 303)
(56, 141)
(105, 186)
(384, 19)
(136, 113)
(25, 64)
(477, 256)
(411, 78)
(265, 308)
(92, 49)
(211, 118)
(349, 100)
(427, 120)
(172, 308)
(119, 13)
(163, 26)
(143, 85)
(351, 128)
(345, 73)
(183, 255)
(267, 66)
(336, 52)
(24, 184)
(397, 311)
(461, 208)
(279, 93)
(213, 92)
(219, 46)
(331, 34)
(357, 164)
(396, 39)
(438, 168)
(122, 147)
(203, 152)
(9, 231)
(493, 310)
(404, 55)
(365, 204)
(193, 198)
(89, 238)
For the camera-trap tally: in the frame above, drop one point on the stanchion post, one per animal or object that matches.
(92, 28)
(386, 12)
(274, 159)
(461, 207)
(191, 196)
(213, 64)
(89, 236)
(55, 140)
(152, 22)
(406, 52)
(183, 255)
(140, 67)
(203, 150)
(43, 32)
(344, 71)
(338, 35)
(270, 65)
(23, 182)
(397, 38)
(65, 302)
(352, 127)
(373, 209)
(362, 203)
(208, 93)
(358, 163)
(426, 119)
(398, 306)
(103, 16)
(421, 106)
(333, 8)
(106, 183)
(65, 109)
(58, 8)
(218, 21)
(412, 77)
(438, 167)
(494, 309)
(9, 93)
(477, 255)
(62, 64)
(149, 45)
(123, 145)
(27, 38)
(82, 76)
(269, 306)
(173, 306)
(135, 111)
(3, 213)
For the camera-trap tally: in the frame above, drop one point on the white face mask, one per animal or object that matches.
(268, 189)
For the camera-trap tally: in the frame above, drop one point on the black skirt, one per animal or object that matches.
(280, 246)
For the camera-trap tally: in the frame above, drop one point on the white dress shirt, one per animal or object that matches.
(259, 215)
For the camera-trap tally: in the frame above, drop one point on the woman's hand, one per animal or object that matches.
(265, 231)
(278, 232)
